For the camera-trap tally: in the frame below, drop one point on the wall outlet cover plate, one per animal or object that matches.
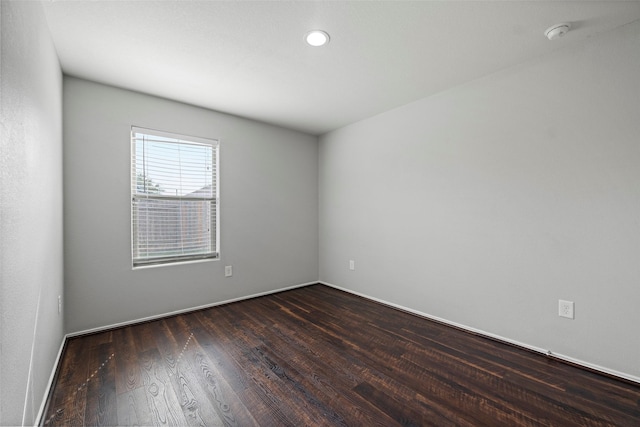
(566, 309)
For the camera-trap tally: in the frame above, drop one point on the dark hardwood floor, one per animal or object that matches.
(318, 356)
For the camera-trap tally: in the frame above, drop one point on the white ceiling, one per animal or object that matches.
(250, 59)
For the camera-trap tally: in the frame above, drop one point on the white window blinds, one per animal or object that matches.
(174, 197)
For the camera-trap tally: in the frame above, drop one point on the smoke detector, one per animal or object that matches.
(557, 31)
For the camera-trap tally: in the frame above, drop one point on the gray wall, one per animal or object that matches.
(30, 211)
(485, 204)
(269, 208)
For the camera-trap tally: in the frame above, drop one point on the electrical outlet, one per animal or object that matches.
(352, 264)
(228, 271)
(59, 304)
(566, 309)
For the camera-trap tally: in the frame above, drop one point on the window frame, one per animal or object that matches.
(213, 234)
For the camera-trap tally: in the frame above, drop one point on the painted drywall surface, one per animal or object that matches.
(268, 197)
(487, 203)
(30, 211)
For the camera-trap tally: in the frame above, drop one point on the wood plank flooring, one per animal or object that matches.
(316, 356)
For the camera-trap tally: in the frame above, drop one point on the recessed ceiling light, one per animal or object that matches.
(317, 38)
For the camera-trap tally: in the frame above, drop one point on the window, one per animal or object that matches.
(174, 197)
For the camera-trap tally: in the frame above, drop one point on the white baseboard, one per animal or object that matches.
(47, 390)
(183, 311)
(494, 336)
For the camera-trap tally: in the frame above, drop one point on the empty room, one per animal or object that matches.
(320, 213)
